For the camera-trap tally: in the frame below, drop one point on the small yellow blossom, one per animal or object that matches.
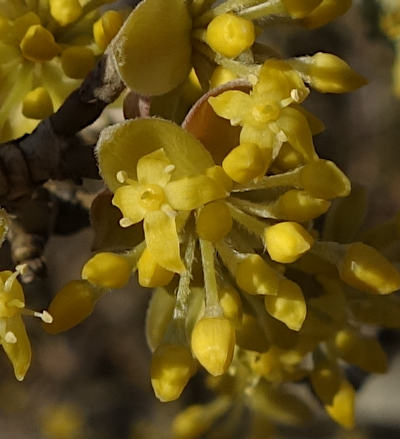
(13, 336)
(213, 342)
(172, 365)
(107, 270)
(230, 35)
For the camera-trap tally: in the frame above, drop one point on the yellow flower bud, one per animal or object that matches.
(150, 273)
(288, 158)
(244, 163)
(172, 365)
(71, 305)
(107, 270)
(213, 342)
(323, 179)
(288, 305)
(328, 73)
(231, 303)
(250, 336)
(106, 27)
(230, 35)
(327, 11)
(65, 12)
(214, 221)
(287, 241)
(23, 23)
(38, 44)
(77, 61)
(219, 176)
(326, 380)
(301, 206)
(364, 352)
(37, 104)
(221, 76)
(342, 407)
(255, 276)
(191, 89)
(366, 269)
(299, 9)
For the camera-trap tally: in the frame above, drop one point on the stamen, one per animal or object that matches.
(295, 95)
(10, 337)
(125, 222)
(122, 176)
(282, 137)
(252, 78)
(167, 209)
(44, 316)
(169, 169)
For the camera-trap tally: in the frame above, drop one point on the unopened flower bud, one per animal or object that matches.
(230, 35)
(38, 44)
(300, 206)
(71, 305)
(366, 269)
(150, 273)
(107, 270)
(244, 163)
(299, 9)
(323, 179)
(325, 12)
(287, 241)
(255, 276)
(288, 305)
(328, 73)
(77, 61)
(221, 76)
(106, 27)
(325, 380)
(213, 342)
(37, 104)
(342, 407)
(214, 221)
(231, 304)
(65, 12)
(172, 365)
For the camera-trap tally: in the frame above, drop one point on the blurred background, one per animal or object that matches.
(93, 382)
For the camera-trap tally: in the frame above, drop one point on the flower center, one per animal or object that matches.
(152, 197)
(265, 113)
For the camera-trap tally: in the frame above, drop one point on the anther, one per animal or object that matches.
(169, 169)
(125, 222)
(122, 176)
(10, 337)
(295, 95)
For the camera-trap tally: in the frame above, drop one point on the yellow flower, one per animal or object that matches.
(265, 115)
(13, 336)
(158, 181)
(46, 48)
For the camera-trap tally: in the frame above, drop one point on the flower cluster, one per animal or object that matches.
(46, 49)
(248, 287)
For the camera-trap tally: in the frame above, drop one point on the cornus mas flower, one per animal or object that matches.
(13, 335)
(46, 48)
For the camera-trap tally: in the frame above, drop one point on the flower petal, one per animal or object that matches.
(232, 105)
(127, 199)
(19, 353)
(153, 47)
(296, 128)
(152, 168)
(191, 193)
(264, 138)
(162, 240)
(122, 145)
